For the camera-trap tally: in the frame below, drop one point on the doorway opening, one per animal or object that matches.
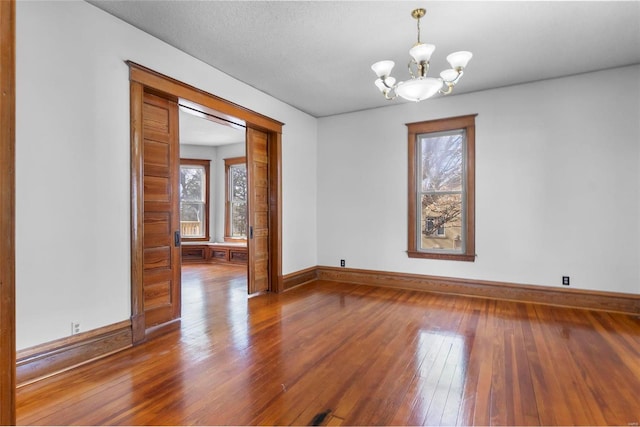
(213, 209)
(155, 238)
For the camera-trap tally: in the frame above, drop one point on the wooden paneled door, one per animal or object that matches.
(161, 216)
(258, 210)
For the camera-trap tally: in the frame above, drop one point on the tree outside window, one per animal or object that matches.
(194, 199)
(236, 199)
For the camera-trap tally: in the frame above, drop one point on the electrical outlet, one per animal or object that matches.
(342, 263)
(75, 328)
(565, 280)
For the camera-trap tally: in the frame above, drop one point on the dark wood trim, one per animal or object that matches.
(7, 212)
(275, 211)
(414, 129)
(162, 329)
(575, 298)
(214, 252)
(206, 164)
(168, 85)
(444, 124)
(299, 278)
(137, 208)
(227, 202)
(450, 257)
(57, 356)
(235, 160)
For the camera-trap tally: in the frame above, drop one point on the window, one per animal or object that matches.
(442, 189)
(194, 199)
(435, 226)
(236, 199)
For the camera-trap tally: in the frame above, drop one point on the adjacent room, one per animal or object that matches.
(320, 213)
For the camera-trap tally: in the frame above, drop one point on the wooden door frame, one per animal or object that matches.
(7, 212)
(144, 79)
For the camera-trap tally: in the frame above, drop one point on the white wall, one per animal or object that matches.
(72, 164)
(557, 184)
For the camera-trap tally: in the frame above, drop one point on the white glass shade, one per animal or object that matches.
(390, 82)
(449, 75)
(422, 52)
(419, 89)
(383, 68)
(459, 60)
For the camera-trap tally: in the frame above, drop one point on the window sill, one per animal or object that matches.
(450, 257)
(234, 240)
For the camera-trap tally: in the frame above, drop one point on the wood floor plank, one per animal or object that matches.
(525, 409)
(340, 354)
(481, 366)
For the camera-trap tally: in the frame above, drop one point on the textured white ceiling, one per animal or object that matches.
(315, 55)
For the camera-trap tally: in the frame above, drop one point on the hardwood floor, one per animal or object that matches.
(333, 353)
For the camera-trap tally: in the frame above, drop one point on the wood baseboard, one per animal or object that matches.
(45, 360)
(161, 329)
(574, 298)
(299, 278)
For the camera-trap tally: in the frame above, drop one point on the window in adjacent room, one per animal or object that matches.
(194, 199)
(236, 199)
(442, 189)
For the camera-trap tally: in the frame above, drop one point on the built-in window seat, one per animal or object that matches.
(214, 252)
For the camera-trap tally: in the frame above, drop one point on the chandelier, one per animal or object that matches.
(420, 86)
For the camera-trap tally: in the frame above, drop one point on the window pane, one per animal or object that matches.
(441, 157)
(238, 183)
(192, 186)
(441, 222)
(239, 220)
(192, 219)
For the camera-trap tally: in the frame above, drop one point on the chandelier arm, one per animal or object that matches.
(421, 68)
(413, 76)
(457, 79)
(390, 98)
(425, 68)
(452, 83)
(384, 82)
(449, 89)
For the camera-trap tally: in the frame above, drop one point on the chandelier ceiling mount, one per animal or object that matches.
(419, 86)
